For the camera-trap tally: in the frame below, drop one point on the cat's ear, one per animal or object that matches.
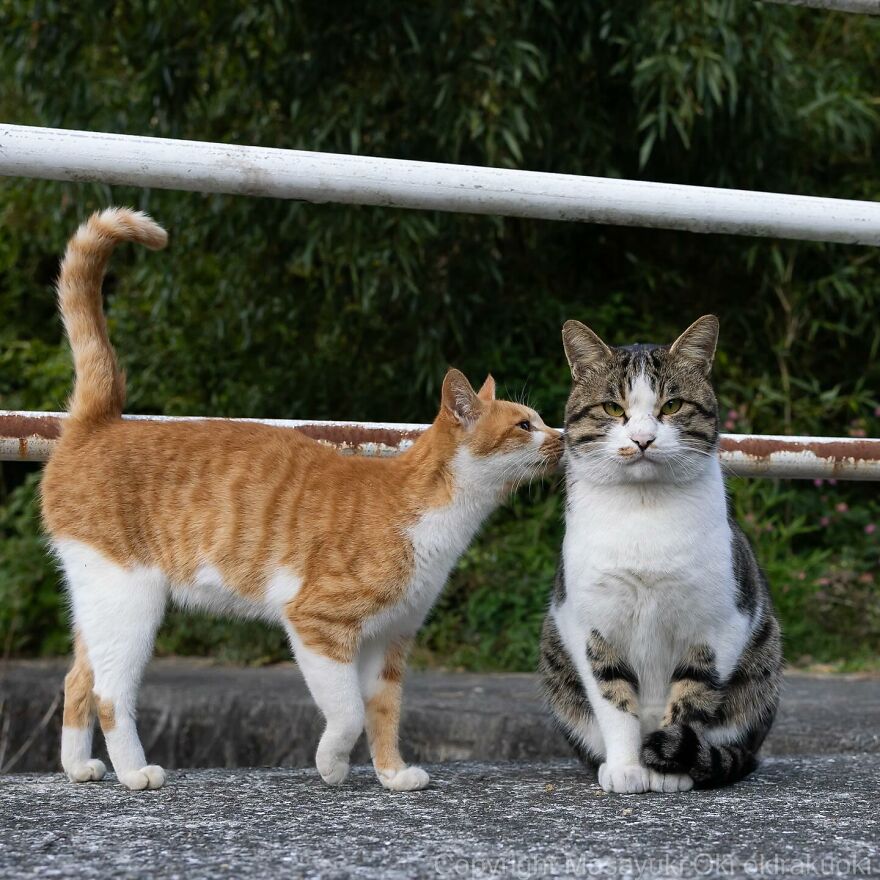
(583, 348)
(487, 390)
(697, 343)
(460, 399)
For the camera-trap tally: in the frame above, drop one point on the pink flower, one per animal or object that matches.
(732, 414)
(801, 575)
(841, 507)
(866, 578)
(832, 482)
(823, 581)
(818, 483)
(877, 411)
(857, 432)
(825, 522)
(730, 424)
(870, 528)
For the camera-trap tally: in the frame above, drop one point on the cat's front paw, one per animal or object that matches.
(405, 779)
(333, 768)
(670, 783)
(624, 778)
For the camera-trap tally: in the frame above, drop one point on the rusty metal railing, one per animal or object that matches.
(31, 436)
(57, 154)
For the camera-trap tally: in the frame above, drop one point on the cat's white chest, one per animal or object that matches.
(652, 574)
(645, 552)
(438, 538)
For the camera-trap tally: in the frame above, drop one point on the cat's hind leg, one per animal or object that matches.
(116, 613)
(567, 698)
(79, 719)
(696, 740)
(382, 664)
(334, 686)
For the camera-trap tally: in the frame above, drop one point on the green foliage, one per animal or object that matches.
(491, 613)
(270, 308)
(31, 606)
(818, 548)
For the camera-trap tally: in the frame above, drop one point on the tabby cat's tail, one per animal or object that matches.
(99, 386)
(680, 748)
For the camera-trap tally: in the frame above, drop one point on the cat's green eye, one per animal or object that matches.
(613, 409)
(671, 406)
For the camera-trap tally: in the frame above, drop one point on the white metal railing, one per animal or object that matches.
(865, 7)
(84, 156)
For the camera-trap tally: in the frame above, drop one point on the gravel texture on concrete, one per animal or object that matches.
(193, 714)
(796, 817)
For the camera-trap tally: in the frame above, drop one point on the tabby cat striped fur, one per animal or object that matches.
(660, 653)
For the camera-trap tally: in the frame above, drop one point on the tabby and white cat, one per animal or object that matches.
(660, 654)
(346, 553)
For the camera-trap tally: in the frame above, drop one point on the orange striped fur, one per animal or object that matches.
(348, 553)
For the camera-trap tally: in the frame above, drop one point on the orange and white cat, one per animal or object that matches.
(347, 553)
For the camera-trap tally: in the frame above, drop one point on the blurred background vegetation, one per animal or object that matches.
(270, 308)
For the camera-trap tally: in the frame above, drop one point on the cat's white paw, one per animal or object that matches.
(87, 771)
(151, 776)
(625, 778)
(406, 779)
(333, 768)
(670, 782)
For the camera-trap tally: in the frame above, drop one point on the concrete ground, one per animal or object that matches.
(797, 817)
(505, 800)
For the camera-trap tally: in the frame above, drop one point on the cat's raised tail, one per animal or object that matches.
(99, 386)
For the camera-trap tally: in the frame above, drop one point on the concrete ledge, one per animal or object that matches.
(797, 816)
(193, 714)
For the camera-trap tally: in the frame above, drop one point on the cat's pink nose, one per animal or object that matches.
(643, 440)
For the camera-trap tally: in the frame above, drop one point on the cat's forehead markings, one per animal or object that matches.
(641, 394)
